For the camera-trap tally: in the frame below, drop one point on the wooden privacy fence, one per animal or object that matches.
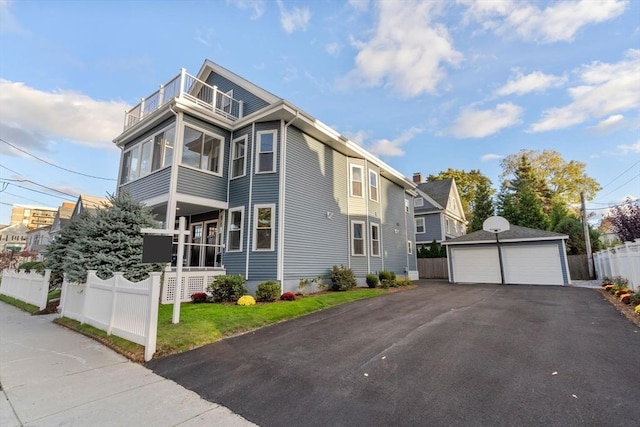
(32, 288)
(622, 260)
(116, 305)
(433, 268)
(578, 267)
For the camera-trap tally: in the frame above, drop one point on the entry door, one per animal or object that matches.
(212, 237)
(195, 251)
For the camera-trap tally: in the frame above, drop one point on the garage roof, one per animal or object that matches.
(514, 234)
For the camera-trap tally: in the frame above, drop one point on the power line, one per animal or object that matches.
(617, 188)
(625, 171)
(56, 166)
(47, 194)
(22, 197)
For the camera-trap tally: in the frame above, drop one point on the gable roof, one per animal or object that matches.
(89, 203)
(438, 190)
(514, 234)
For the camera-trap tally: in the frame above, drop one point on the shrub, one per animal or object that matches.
(386, 275)
(246, 300)
(268, 291)
(622, 282)
(625, 298)
(199, 297)
(637, 309)
(342, 278)
(36, 266)
(404, 281)
(288, 296)
(634, 299)
(621, 291)
(227, 288)
(372, 280)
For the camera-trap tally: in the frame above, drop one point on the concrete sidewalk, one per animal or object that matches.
(52, 376)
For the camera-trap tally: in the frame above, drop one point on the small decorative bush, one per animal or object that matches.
(637, 309)
(35, 266)
(342, 278)
(372, 280)
(386, 275)
(621, 291)
(625, 298)
(268, 291)
(608, 287)
(634, 299)
(288, 296)
(246, 300)
(227, 288)
(622, 282)
(606, 281)
(404, 281)
(199, 297)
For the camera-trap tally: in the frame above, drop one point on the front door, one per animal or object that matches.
(195, 250)
(212, 237)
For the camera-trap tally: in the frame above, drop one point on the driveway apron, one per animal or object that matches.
(439, 354)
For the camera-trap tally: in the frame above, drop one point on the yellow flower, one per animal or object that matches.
(637, 309)
(246, 300)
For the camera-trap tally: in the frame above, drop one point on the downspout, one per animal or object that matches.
(367, 195)
(349, 228)
(250, 213)
(406, 232)
(281, 202)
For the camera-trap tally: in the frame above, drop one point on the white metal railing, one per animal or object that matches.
(189, 88)
(118, 306)
(32, 288)
(192, 282)
(622, 260)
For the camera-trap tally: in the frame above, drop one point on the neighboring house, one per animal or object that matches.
(13, 237)
(37, 241)
(90, 204)
(528, 256)
(273, 192)
(438, 211)
(61, 219)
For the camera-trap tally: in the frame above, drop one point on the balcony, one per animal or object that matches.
(189, 88)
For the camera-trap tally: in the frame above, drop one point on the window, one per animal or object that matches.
(148, 155)
(373, 186)
(266, 158)
(357, 238)
(418, 202)
(239, 157)
(409, 247)
(263, 235)
(448, 226)
(406, 206)
(201, 150)
(234, 235)
(375, 240)
(356, 180)
(420, 225)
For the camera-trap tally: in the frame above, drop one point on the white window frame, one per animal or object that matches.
(373, 173)
(418, 202)
(231, 211)
(409, 247)
(233, 157)
(363, 238)
(138, 147)
(424, 228)
(351, 181)
(371, 245)
(406, 206)
(259, 150)
(205, 133)
(255, 227)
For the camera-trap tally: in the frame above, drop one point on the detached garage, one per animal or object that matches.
(529, 257)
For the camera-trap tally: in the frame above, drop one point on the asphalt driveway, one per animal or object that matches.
(436, 355)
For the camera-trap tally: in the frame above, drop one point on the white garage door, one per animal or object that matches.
(475, 265)
(532, 265)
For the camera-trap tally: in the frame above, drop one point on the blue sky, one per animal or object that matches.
(424, 85)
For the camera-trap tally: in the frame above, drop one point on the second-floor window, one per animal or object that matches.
(373, 186)
(420, 225)
(202, 150)
(266, 158)
(418, 202)
(357, 179)
(148, 155)
(238, 157)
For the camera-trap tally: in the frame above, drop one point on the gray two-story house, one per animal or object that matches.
(274, 193)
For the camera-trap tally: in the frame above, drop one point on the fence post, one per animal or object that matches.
(63, 294)
(151, 327)
(117, 277)
(45, 289)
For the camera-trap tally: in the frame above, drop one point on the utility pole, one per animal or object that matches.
(587, 239)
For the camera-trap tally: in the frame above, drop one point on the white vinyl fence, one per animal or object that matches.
(622, 260)
(32, 288)
(126, 309)
(192, 282)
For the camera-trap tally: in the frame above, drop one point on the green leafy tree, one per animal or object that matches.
(467, 183)
(482, 206)
(572, 227)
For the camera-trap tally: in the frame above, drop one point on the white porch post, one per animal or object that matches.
(177, 295)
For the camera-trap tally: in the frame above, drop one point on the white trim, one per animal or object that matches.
(424, 226)
(150, 138)
(364, 238)
(271, 206)
(377, 186)
(409, 247)
(197, 200)
(232, 156)
(172, 202)
(250, 149)
(231, 211)
(529, 239)
(416, 204)
(371, 226)
(362, 182)
(220, 154)
(259, 134)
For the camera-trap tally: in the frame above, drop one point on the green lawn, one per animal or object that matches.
(205, 323)
(30, 308)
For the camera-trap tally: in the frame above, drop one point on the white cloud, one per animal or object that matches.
(490, 156)
(393, 147)
(256, 6)
(359, 5)
(358, 137)
(610, 124)
(60, 113)
(558, 22)
(472, 123)
(626, 149)
(532, 82)
(607, 89)
(296, 19)
(332, 49)
(407, 52)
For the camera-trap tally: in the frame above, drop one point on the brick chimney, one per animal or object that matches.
(417, 178)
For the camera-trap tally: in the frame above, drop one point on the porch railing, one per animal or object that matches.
(190, 88)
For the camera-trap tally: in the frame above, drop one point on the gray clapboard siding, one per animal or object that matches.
(316, 197)
(412, 263)
(198, 183)
(395, 244)
(152, 185)
(251, 102)
(432, 229)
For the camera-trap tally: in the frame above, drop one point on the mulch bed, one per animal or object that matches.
(626, 309)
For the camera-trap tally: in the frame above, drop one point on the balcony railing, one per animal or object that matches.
(189, 88)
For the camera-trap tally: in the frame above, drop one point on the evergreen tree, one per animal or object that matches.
(506, 205)
(482, 206)
(529, 210)
(56, 251)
